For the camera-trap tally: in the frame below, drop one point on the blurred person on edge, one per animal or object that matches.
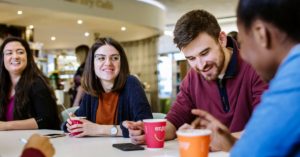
(76, 91)
(270, 41)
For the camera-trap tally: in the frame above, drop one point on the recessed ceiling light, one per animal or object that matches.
(20, 12)
(53, 38)
(31, 26)
(79, 22)
(123, 28)
(86, 34)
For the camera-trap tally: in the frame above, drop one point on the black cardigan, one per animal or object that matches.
(42, 107)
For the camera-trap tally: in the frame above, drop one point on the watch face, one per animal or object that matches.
(114, 130)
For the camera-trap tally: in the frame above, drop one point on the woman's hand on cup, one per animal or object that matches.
(74, 125)
(69, 121)
(86, 128)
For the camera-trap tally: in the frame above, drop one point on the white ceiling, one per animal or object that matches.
(220, 8)
(64, 26)
(69, 34)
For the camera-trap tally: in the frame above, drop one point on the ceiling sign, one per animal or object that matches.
(104, 4)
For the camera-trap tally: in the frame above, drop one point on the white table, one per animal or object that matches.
(10, 146)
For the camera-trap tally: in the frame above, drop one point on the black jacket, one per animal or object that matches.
(42, 107)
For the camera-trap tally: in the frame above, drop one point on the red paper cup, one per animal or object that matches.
(76, 120)
(155, 132)
(194, 142)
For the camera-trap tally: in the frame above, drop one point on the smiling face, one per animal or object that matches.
(15, 58)
(107, 63)
(205, 55)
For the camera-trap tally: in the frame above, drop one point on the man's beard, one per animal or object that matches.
(214, 76)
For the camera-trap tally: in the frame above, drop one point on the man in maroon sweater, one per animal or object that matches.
(219, 81)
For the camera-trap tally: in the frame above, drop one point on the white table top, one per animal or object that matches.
(10, 146)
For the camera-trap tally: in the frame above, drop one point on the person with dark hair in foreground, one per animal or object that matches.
(38, 146)
(270, 41)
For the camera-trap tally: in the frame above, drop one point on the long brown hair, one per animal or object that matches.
(30, 73)
(90, 82)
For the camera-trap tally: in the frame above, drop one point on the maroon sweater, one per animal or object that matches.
(32, 152)
(231, 100)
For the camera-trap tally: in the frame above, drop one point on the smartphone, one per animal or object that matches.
(127, 146)
(54, 135)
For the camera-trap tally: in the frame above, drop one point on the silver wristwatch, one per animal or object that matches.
(114, 131)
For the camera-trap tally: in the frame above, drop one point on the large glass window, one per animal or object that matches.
(165, 75)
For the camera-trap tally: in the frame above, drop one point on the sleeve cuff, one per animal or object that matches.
(32, 152)
(124, 131)
(64, 127)
(40, 122)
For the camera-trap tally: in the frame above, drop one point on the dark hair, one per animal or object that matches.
(283, 14)
(234, 35)
(191, 24)
(22, 89)
(82, 48)
(90, 81)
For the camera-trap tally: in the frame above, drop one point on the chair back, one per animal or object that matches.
(65, 113)
(157, 115)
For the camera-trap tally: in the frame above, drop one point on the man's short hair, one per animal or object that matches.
(283, 14)
(191, 24)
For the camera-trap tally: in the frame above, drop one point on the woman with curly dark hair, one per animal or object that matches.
(26, 99)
